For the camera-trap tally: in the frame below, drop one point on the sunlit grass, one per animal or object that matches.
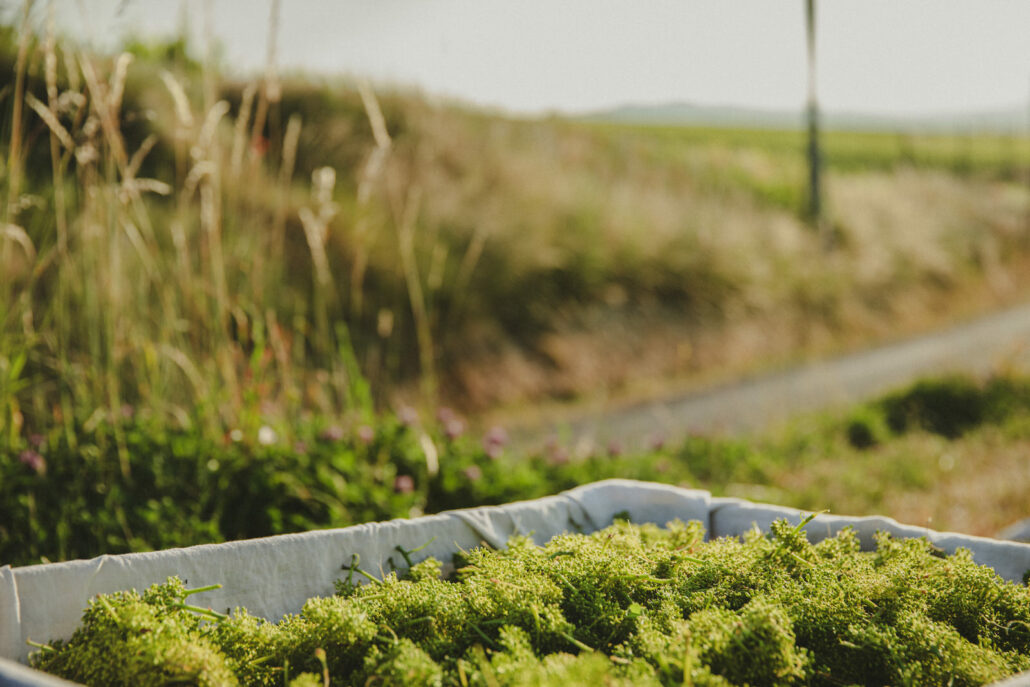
(237, 254)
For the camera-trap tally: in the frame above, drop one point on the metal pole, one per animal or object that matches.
(1026, 134)
(815, 205)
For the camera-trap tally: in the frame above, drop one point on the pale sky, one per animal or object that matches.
(875, 56)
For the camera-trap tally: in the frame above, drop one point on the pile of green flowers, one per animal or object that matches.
(628, 605)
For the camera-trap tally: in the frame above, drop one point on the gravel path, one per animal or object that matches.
(974, 347)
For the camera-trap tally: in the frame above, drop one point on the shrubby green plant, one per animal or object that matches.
(948, 406)
(630, 604)
(867, 428)
(80, 492)
(61, 500)
(952, 406)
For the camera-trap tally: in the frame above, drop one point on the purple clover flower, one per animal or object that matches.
(403, 484)
(332, 433)
(494, 441)
(366, 434)
(556, 453)
(454, 428)
(33, 460)
(473, 473)
(497, 436)
(407, 416)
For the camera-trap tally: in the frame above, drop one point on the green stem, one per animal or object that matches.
(198, 590)
(370, 576)
(44, 647)
(484, 635)
(577, 643)
(205, 612)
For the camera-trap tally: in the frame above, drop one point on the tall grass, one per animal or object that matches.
(124, 292)
(236, 254)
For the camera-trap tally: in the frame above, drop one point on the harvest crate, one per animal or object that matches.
(274, 576)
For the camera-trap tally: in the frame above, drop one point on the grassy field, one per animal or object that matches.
(238, 254)
(992, 154)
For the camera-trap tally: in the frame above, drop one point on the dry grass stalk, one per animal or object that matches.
(405, 224)
(50, 119)
(282, 209)
(106, 102)
(17, 235)
(239, 141)
(117, 89)
(466, 268)
(141, 153)
(371, 175)
(14, 161)
(50, 71)
(208, 72)
(183, 111)
(316, 232)
(271, 89)
(209, 182)
(71, 68)
(375, 115)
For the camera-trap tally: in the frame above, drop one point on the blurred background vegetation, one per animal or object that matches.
(190, 265)
(237, 253)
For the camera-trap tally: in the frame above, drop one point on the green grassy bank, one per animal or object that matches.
(948, 454)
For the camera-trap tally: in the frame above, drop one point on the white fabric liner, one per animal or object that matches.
(274, 576)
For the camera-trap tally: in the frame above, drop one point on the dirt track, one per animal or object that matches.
(975, 347)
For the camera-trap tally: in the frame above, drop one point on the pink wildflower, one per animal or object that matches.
(407, 416)
(366, 434)
(556, 453)
(454, 428)
(403, 484)
(497, 436)
(33, 460)
(332, 433)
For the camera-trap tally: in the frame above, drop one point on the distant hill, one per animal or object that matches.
(700, 115)
(1012, 119)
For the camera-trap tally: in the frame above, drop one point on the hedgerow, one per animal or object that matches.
(630, 604)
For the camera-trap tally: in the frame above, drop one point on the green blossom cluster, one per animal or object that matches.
(628, 605)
